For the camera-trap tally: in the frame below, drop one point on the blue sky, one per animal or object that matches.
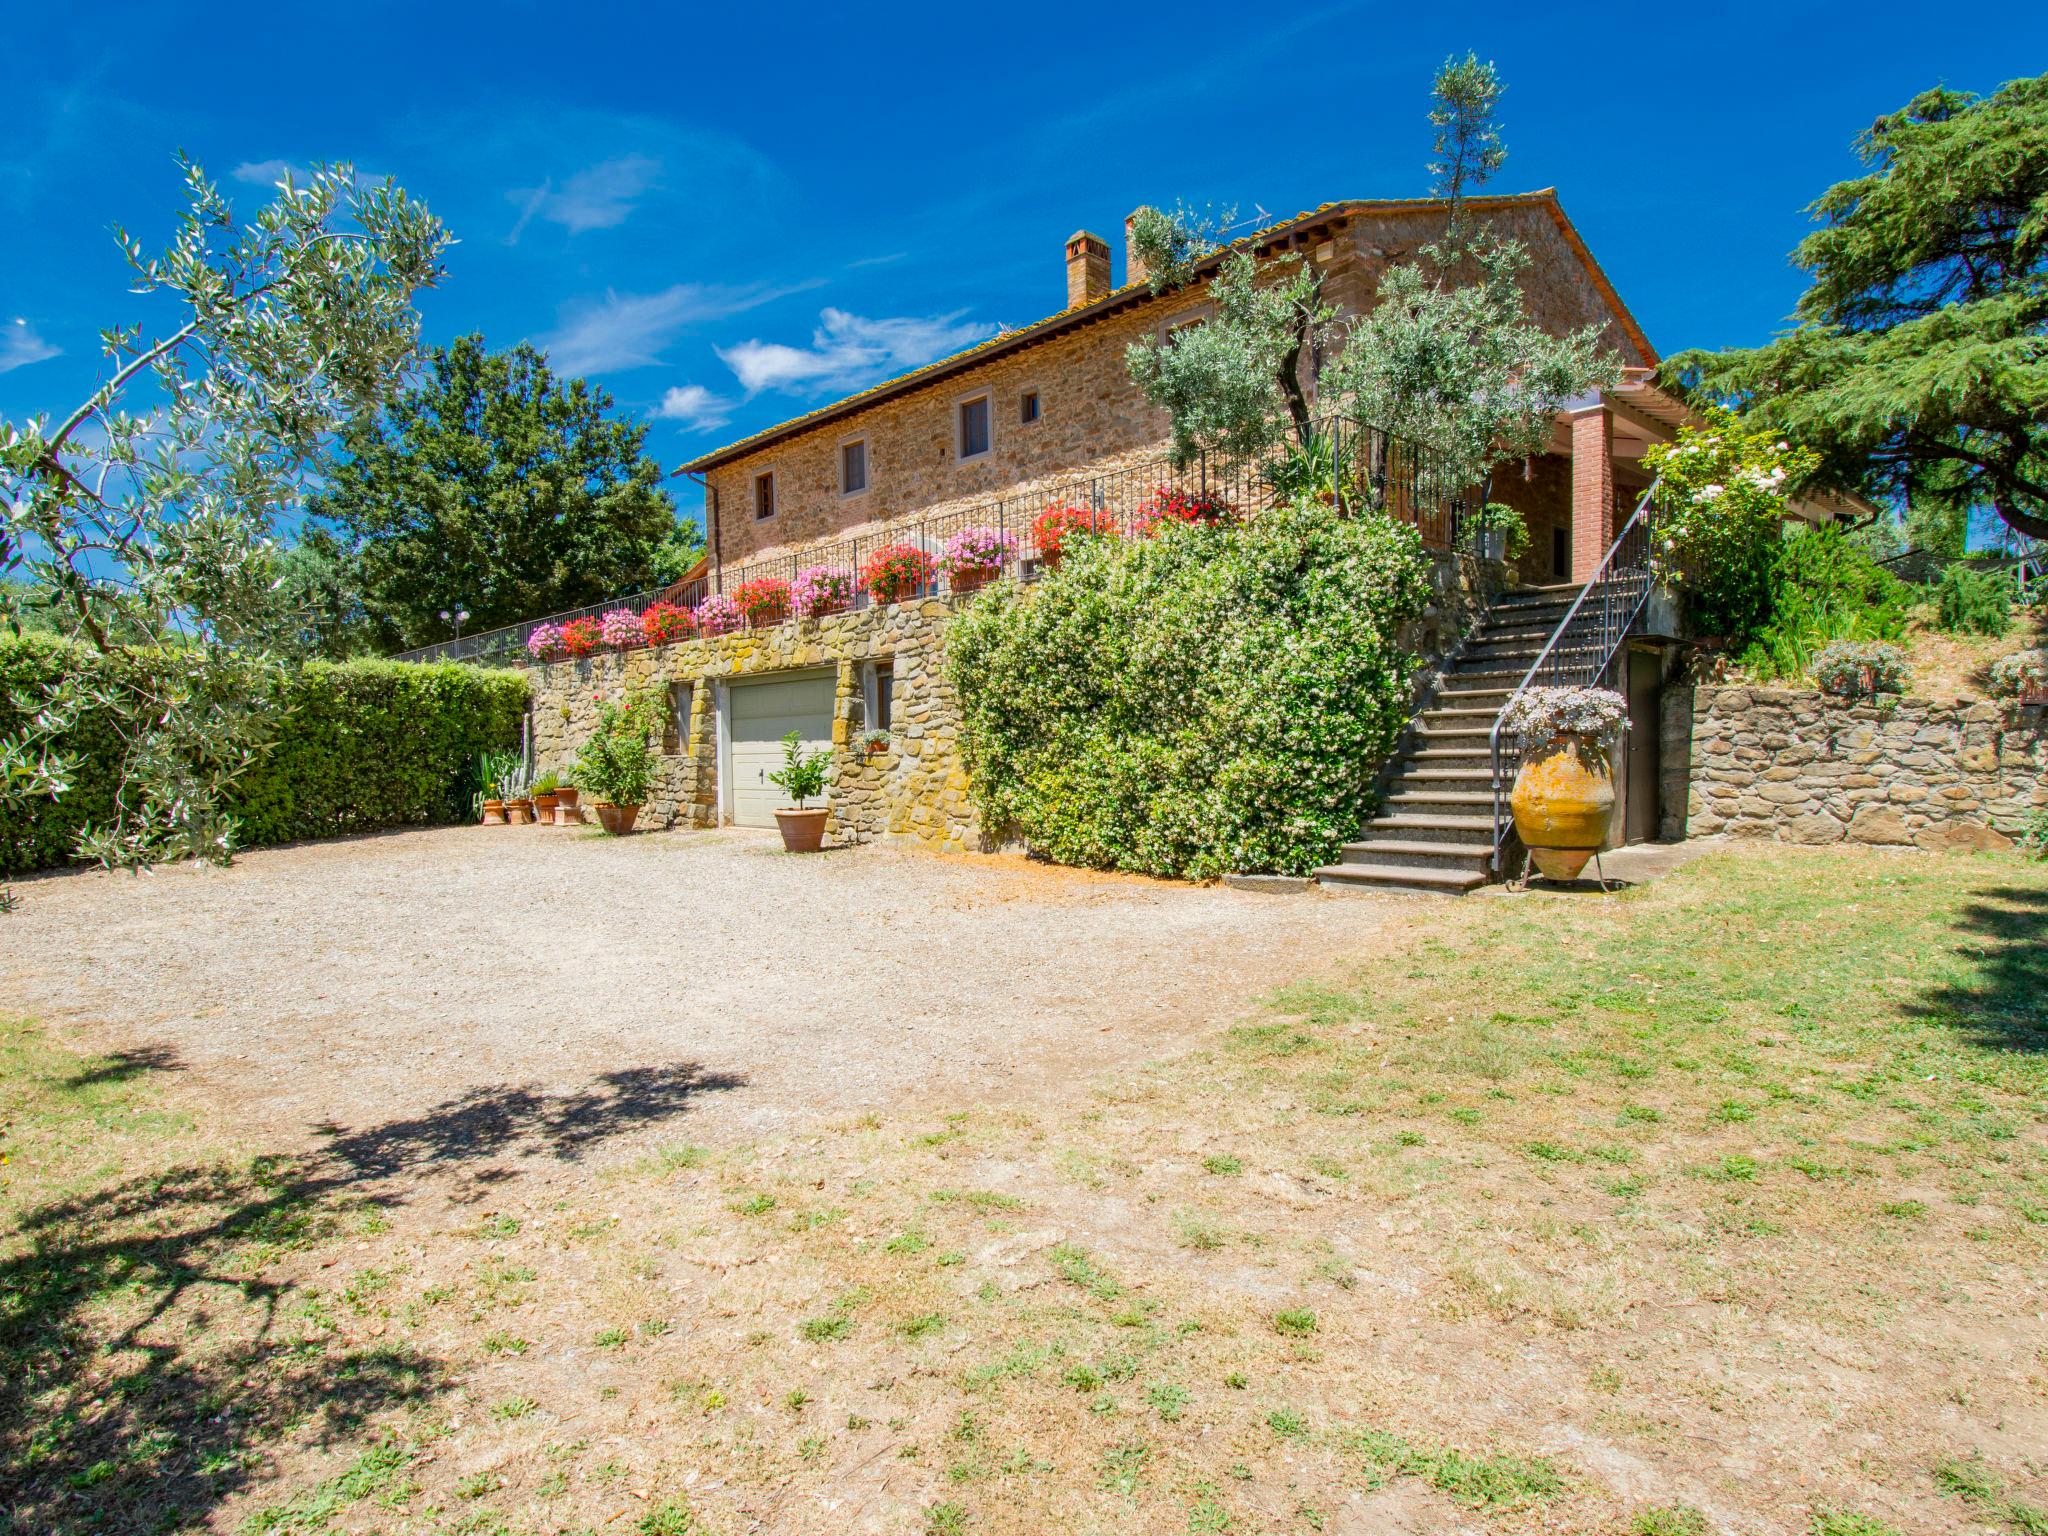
(727, 215)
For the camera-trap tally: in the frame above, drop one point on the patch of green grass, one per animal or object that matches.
(1122, 1469)
(1296, 1322)
(1168, 1400)
(754, 1205)
(978, 1199)
(1074, 1266)
(514, 1408)
(922, 1325)
(1482, 1482)
(833, 1325)
(1287, 1424)
(671, 1517)
(1844, 1522)
(1668, 1520)
(612, 1338)
(1222, 1163)
(1197, 1232)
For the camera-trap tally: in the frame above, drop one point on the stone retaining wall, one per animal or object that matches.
(1797, 766)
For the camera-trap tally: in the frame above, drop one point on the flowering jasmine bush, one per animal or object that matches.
(663, 623)
(1721, 506)
(1851, 669)
(620, 629)
(820, 589)
(2020, 674)
(977, 551)
(581, 637)
(1171, 506)
(1059, 522)
(719, 615)
(1539, 716)
(896, 571)
(545, 643)
(1194, 703)
(764, 600)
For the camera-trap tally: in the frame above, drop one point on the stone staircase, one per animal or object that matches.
(1434, 833)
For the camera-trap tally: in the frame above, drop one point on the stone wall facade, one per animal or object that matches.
(914, 789)
(1797, 766)
(1091, 419)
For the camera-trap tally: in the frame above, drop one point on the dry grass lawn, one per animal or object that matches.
(1721, 1205)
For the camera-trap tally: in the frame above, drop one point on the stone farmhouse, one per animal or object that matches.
(1047, 413)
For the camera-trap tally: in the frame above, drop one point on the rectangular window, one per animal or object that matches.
(1560, 552)
(881, 680)
(853, 467)
(974, 427)
(675, 732)
(764, 495)
(1027, 407)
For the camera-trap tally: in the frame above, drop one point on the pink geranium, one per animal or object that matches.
(620, 629)
(719, 616)
(545, 642)
(821, 589)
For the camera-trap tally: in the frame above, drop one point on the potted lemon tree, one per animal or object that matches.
(801, 777)
(616, 766)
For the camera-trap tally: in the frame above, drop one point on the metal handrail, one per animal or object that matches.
(1371, 471)
(1583, 646)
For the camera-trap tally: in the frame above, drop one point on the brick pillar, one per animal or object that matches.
(1087, 268)
(1592, 489)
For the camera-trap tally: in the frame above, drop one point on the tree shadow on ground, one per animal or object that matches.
(148, 1349)
(2001, 1003)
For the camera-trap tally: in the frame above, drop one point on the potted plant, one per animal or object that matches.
(617, 761)
(494, 770)
(974, 557)
(621, 629)
(895, 571)
(764, 600)
(545, 798)
(719, 615)
(1860, 669)
(665, 623)
(874, 742)
(821, 589)
(1498, 532)
(1564, 791)
(518, 798)
(801, 776)
(1058, 523)
(567, 812)
(1171, 506)
(2021, 677)
(545, 643)
(581, 637)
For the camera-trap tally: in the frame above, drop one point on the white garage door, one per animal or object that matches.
(762, 714)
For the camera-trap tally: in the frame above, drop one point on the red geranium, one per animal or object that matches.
(1171, 506)
(1059, 522)
(764, 600)
(665, 622)
(896, 571)
(581, 637)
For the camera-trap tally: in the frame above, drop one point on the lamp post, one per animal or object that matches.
(458, 617)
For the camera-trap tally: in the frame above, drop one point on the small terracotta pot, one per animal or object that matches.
(767, 618)
(519, 812)
(895, 594)
(1564, 805)
(494, 813)
(802, 831)
(617, 820)
(544, 808)
(967, 583)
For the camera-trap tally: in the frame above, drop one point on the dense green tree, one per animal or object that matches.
(495, 487)
(1918, 362)
(149, 510)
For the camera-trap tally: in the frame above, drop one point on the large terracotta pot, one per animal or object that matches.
(519, 812)
(1564, 804)
(494, 813)
(768, 618)
(802, 831)
(617, 820)
(544, 809)
(567, 812)
(967, 583)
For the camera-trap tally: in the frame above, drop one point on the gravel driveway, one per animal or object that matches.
(356, 983)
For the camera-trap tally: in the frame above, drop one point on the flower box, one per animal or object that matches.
(764, 600)
(665, 623)
(821, 589)
(896, 571)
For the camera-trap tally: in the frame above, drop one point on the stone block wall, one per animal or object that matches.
(914, 789)
(1797, 766)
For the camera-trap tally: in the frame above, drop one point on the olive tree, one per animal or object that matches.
(147, 515)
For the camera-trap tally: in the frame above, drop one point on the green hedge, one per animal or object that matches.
(1203, 701)
(360, 746)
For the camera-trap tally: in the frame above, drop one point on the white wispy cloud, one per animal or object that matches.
(598, 197)
(630, 330)
(20, 346)
(697, 408)
(848, 350)
(268, 173)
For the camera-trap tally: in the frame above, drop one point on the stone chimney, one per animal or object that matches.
(1134, 264)
(1087, 268)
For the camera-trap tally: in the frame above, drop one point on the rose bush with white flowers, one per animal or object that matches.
(1721, 498)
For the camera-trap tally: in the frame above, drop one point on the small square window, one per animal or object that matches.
(853, 467)
(881, 681)
(764, 495)
(1027, 407)
(974, 427)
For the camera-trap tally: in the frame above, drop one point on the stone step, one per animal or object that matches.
(1452, 718)
(1472, 802)
(1418, 854)
(1416, 776)
(1400, 877)
(1475, 756)
(1434, 827)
